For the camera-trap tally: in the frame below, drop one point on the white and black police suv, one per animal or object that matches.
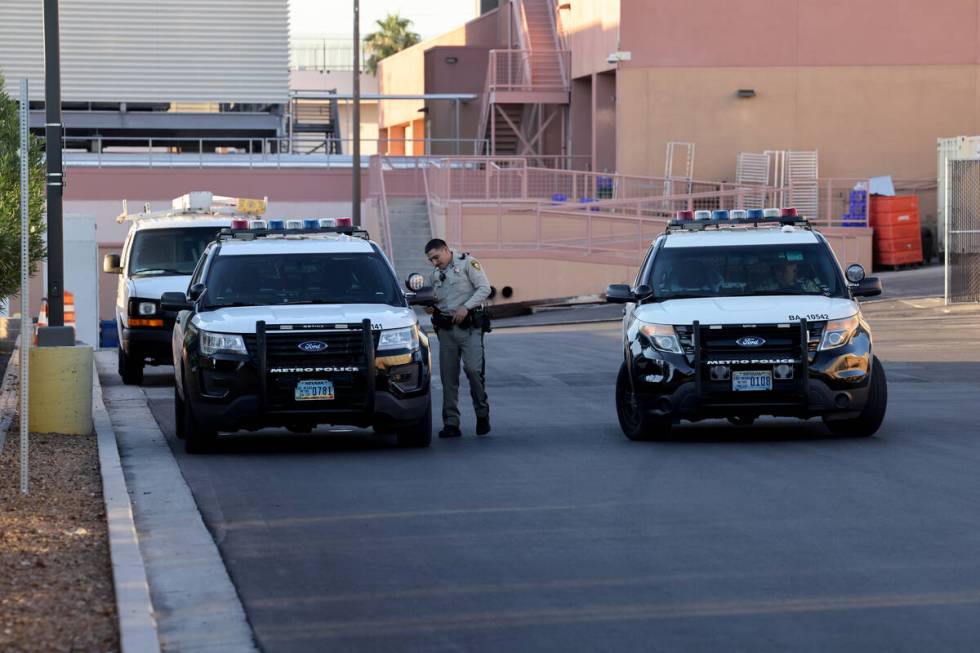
(296, 324)
(742, 314)
(158, 256)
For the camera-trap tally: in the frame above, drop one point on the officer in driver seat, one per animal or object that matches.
(460, 286)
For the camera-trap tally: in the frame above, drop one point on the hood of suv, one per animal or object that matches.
(154, 287)
(242, 319)
(775, 309)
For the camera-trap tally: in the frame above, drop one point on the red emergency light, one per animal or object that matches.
(239, 224)
(789, 213)
(685, 215)
(345, 222)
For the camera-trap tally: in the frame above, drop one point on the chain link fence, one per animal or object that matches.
(962, 235)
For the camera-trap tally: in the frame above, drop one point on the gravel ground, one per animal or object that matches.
(55, 576)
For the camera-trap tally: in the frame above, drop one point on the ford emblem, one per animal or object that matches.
(313, 346)
(750, 341)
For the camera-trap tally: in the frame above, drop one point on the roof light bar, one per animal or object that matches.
(327, 223)
(702, 216)
(277, 225)
(239, 224)
(684, 215)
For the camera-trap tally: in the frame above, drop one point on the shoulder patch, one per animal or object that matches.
(476, 264)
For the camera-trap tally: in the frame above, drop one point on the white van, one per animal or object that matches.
(158, 256)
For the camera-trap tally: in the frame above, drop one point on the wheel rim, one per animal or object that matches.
(629, 410)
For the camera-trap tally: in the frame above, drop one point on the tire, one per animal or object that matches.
(130, 370)
(179, 410)
(869, 421)
(197, 439)
(418, 436)
(636, 424)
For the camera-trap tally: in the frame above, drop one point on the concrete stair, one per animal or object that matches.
(410, 231)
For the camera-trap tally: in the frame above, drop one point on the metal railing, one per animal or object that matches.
(282, 152)
(528, 70)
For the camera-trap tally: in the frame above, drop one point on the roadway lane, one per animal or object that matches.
(556, 533)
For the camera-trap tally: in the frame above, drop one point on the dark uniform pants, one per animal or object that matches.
(466, 344)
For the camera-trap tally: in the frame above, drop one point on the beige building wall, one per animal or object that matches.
(864, 121)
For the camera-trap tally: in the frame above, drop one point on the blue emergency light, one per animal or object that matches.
(311, 223)
(277, 225)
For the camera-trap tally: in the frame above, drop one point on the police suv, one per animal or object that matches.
(742, 314)
(296, 325)
(158, 256)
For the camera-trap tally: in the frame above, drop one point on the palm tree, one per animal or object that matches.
(393, 36)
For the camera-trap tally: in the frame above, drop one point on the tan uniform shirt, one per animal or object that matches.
(465, 284)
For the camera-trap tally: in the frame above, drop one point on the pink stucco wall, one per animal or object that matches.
(760, 33)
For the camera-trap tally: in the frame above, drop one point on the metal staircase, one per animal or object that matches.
(315, 126)
(527, 88)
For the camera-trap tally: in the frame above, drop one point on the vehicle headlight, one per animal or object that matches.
(663, 337)
(407, 338)
(146, 308)
(838, 333)
(221, 343)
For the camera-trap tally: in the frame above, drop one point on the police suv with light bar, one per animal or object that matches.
(741, 314)
(296, 324)
(158, 256)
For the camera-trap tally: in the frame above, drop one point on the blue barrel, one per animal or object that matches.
(108, 335)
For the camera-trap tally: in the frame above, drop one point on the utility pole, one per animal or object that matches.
(356, 127)
(53, 130)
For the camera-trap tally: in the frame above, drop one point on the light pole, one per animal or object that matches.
(53, 130)
(356, 119)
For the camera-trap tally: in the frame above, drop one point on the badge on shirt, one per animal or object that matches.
(476, 264)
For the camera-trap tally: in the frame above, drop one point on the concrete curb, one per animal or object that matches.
(137, 626)
(9, 399)
(196, 605)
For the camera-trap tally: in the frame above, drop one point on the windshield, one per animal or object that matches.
(745, 270)
(163, 252)
(263, 280)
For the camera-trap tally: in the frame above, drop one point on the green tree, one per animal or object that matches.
(393, 36)
(10, 198)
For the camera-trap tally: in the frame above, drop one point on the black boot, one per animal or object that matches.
(482, 425)
(450, 431)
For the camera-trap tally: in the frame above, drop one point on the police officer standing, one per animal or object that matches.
(460, 321)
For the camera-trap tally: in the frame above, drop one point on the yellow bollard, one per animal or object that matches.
(61, 390)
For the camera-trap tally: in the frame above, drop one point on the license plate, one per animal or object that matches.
(751, 381)
(314, 391)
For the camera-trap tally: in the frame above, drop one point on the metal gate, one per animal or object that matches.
(962, 231)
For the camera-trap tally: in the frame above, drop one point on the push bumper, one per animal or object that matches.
(824, 383)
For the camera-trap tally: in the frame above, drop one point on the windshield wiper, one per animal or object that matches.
(159, 271)
(231, 305)
(770, 293)
(665, 298)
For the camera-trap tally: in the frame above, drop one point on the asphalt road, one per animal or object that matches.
(558, 534)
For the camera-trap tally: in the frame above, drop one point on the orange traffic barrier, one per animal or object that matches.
(42, 318)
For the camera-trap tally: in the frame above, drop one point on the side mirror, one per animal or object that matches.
(620, 293)
(642, 291)
(195, 291)
(424, 296)
(415, 282)
(174, 302)
(868, 287)
(855, 273)
(110, 264)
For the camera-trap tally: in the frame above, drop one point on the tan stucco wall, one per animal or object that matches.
(593, 34)
(867, 120)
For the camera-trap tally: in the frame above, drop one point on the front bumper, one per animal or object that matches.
(152, 344)
(230, 393)
(824, 383)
